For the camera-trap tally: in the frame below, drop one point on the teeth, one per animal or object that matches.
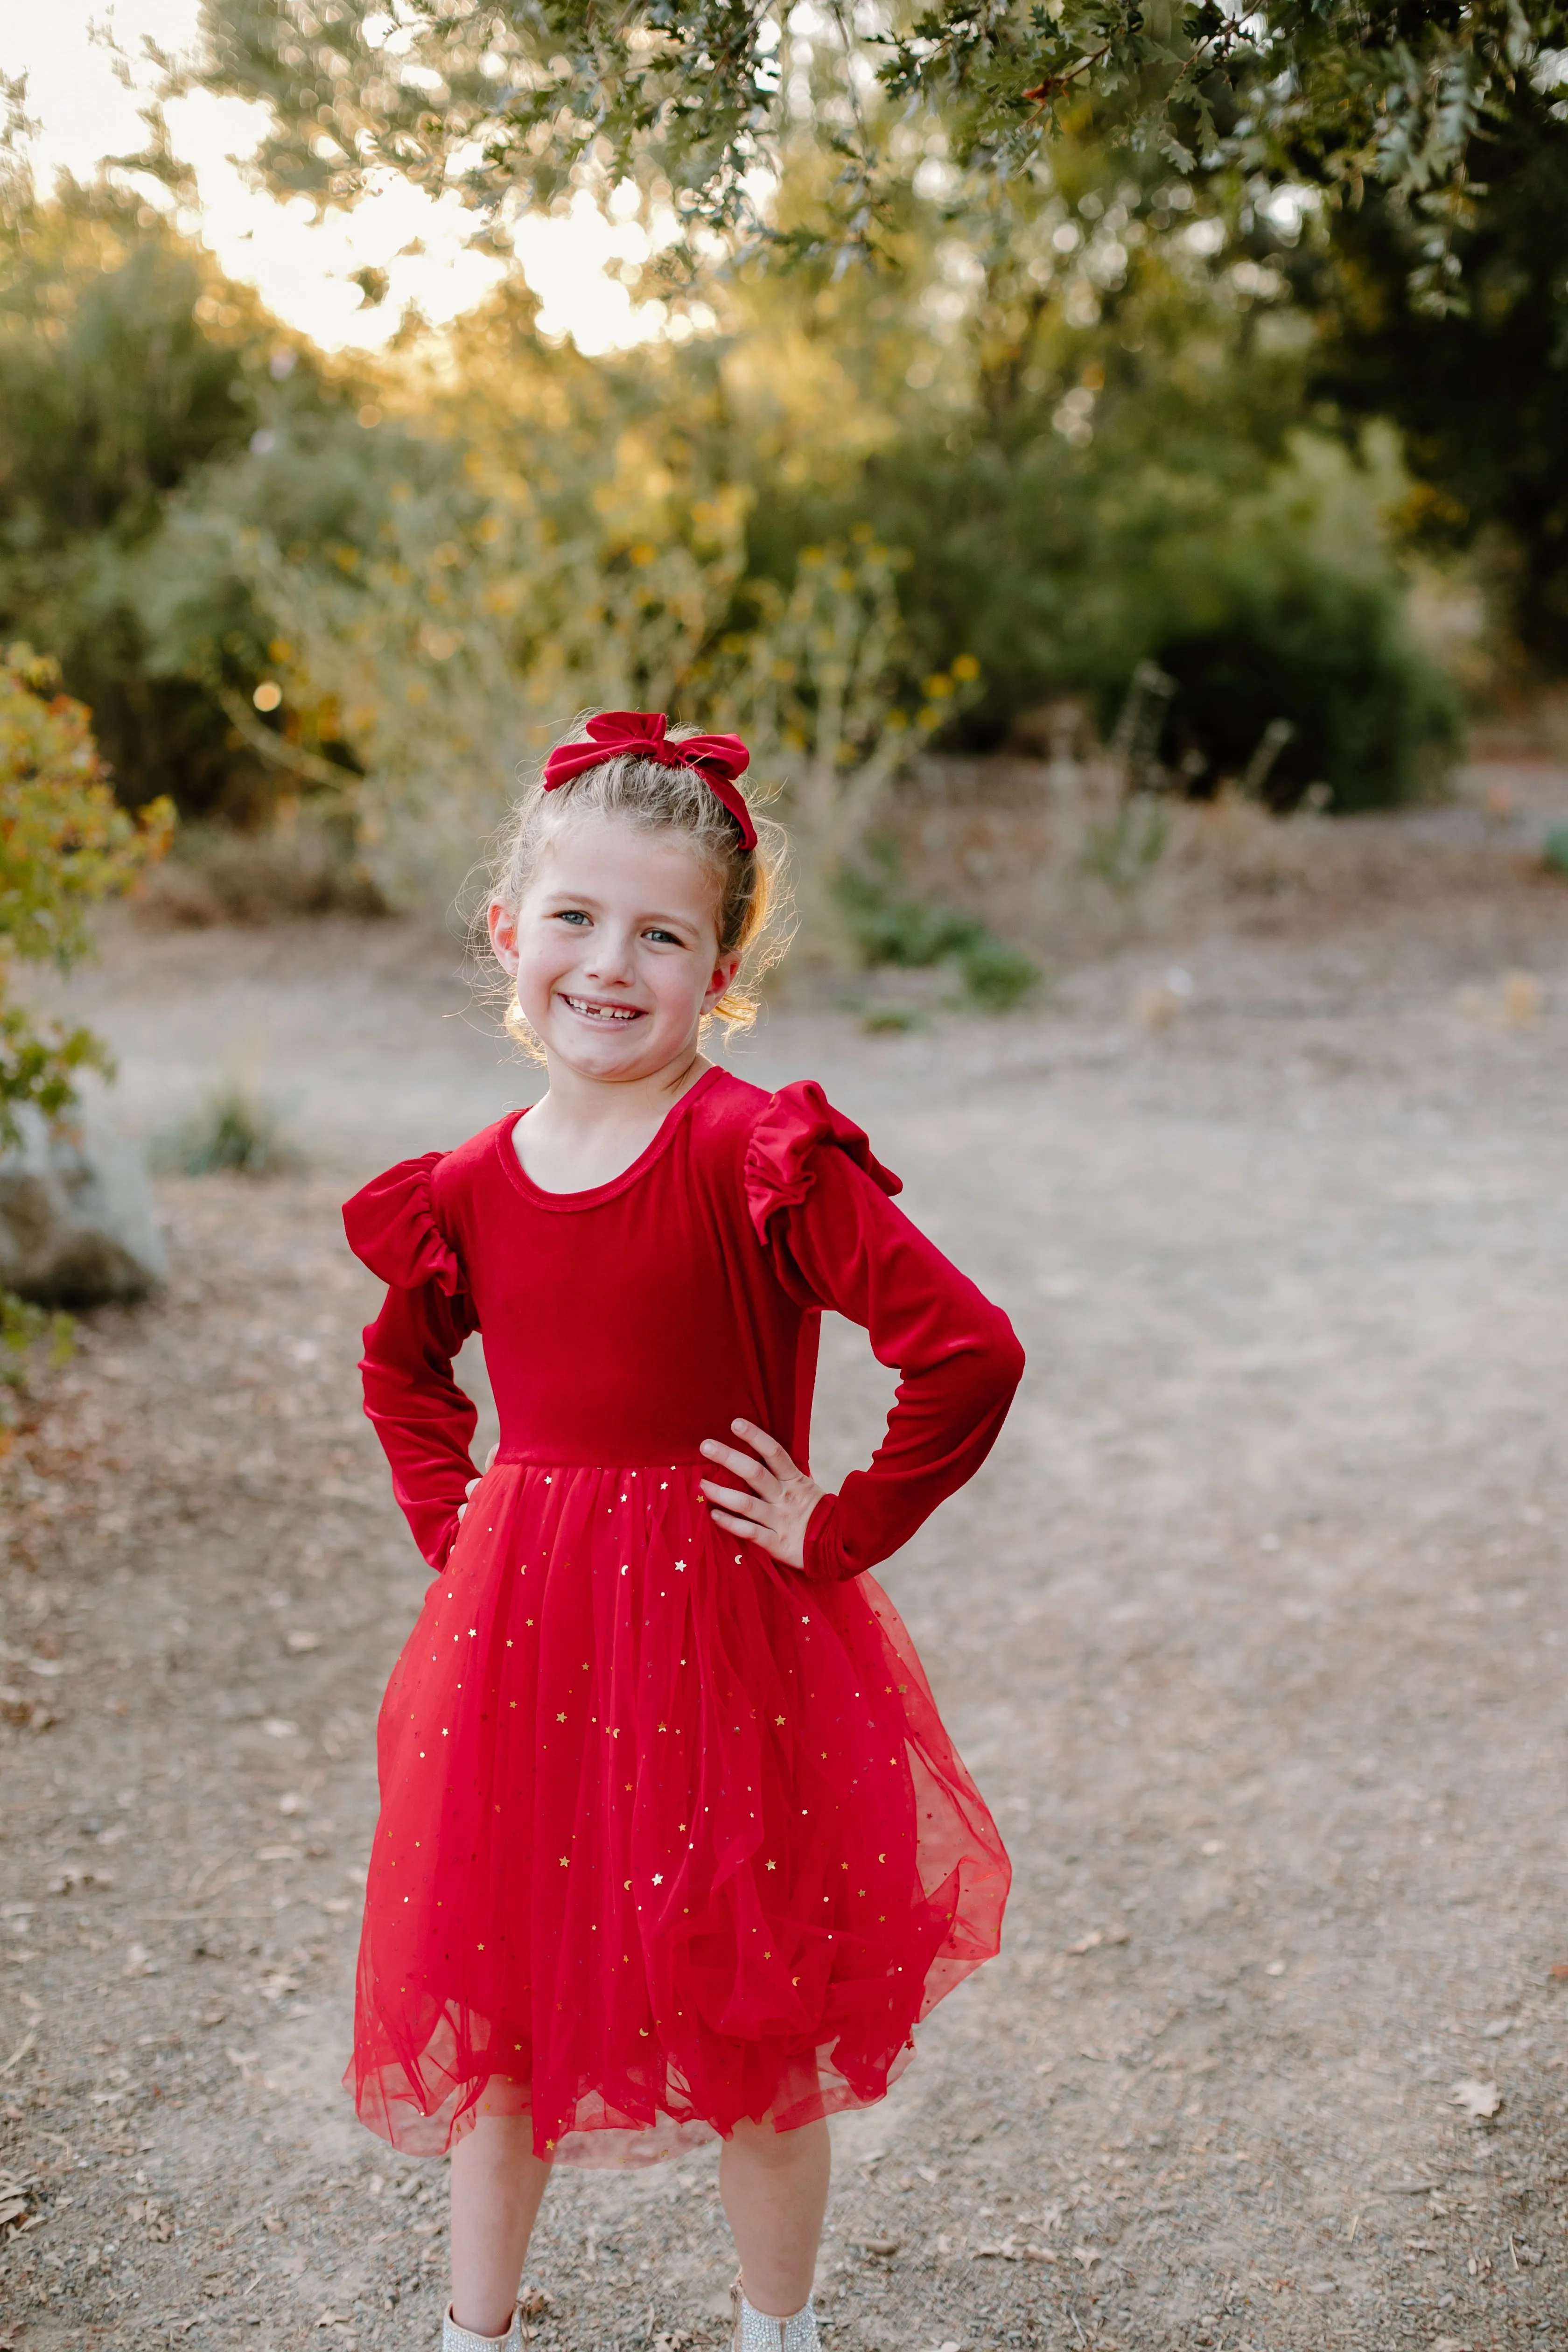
(603, 1012)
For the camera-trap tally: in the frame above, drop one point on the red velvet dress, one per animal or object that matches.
(670, 1834)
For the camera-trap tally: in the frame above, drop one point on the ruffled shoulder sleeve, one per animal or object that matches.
(391, 1228)
(796, 1125)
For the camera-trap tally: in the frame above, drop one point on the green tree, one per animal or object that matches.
(1480, 394)
(127, 363)
(511, 100)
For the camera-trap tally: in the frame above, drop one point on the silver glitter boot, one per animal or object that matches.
(463, 2340)
(756, 2332)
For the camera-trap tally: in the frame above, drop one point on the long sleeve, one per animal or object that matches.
(839, 1242)
(424, 1419)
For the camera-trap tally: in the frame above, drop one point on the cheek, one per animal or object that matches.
(547, 947)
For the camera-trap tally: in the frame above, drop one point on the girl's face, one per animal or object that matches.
(615, 948)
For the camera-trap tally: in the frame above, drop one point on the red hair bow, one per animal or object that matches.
(615, 733)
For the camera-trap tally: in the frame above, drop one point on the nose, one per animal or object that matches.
(609, 960)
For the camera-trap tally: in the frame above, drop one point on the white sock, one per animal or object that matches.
(463, 2340)
(761, 2331)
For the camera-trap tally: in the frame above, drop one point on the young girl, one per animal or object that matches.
(672, 1841)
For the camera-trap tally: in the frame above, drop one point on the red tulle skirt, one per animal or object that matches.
(669, 1836)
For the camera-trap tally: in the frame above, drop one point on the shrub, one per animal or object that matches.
(888, 927)
(232, 1133)
(1554, 849)
(1329, 655)
(64, 843)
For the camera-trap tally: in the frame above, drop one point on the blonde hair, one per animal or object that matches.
(752, 912)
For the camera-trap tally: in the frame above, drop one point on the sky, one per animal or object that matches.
(303, 269)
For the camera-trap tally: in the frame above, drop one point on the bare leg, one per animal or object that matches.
(774, 2188)
(498, 2185)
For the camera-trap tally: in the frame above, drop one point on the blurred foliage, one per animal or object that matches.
(1060, 433)
(232, 1133)
(1079, 415)
(1481, 394)
(703, 98)
(889, 926)
(127, 363)
(64, 845)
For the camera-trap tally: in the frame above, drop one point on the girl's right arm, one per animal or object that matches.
(424, 1419)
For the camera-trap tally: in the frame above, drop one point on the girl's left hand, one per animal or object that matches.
(776, 1514)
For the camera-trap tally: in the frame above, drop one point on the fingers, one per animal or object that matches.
(772, 1451)
(747, 1529)
(490, 1457)
(756, 1474)
(727, 1498)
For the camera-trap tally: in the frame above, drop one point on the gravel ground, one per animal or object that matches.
(1252, 1631)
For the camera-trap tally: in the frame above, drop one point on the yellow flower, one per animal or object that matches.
(965, 668)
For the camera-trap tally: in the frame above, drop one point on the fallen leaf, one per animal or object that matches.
(301, 1642)
(1088, 2256)
(1559, 1968)
(1480, 2100)
(879, 2245)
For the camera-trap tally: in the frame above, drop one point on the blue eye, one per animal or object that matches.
(666, 938)
(572, 915)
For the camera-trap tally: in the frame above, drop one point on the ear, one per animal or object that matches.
(503, 936)
(723, 974)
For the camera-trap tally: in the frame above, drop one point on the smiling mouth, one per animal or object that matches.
(609, 1015)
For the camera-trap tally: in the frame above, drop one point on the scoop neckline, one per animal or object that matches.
(657, 1144)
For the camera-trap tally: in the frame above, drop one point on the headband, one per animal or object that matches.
(614, 734)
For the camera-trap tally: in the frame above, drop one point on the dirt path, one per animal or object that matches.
(1252, 1631)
